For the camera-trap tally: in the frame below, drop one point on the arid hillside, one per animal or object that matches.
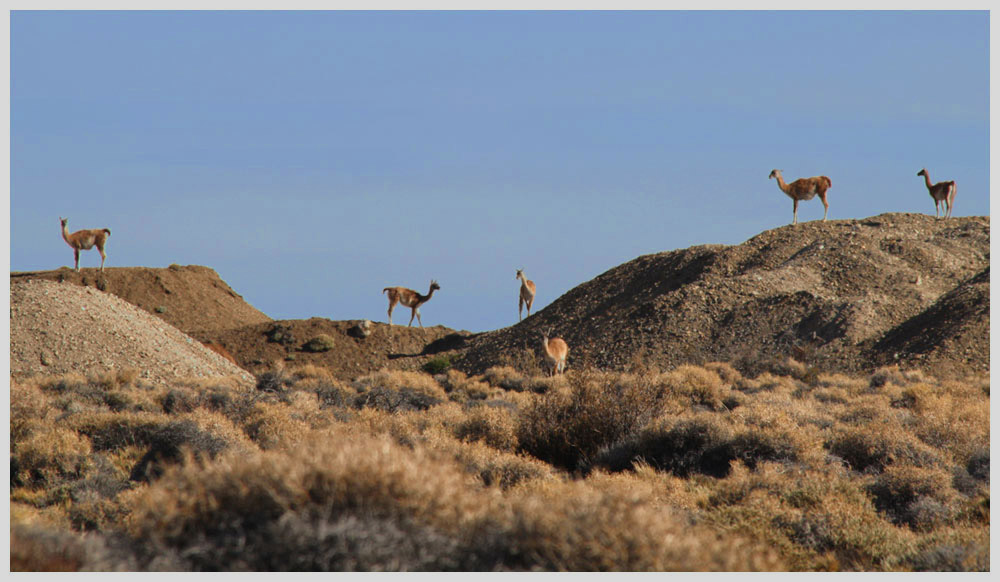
(190, 298)
(845, 295)
(339, 346)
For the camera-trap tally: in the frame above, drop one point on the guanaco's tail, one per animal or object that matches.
(107, 230)
(951, 195)
(829, 184)
(386, 289)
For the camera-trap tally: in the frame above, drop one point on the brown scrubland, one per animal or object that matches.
(698, 468)
(814, 399)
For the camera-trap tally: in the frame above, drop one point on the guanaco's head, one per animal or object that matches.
(774, 174)
(434, 285)
(922, 172)
(520, 273)
(63, 221)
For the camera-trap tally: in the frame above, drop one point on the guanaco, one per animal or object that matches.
(555, 351)
(804, 189)
(83, 240)
(527, 295)
(943, 193)
(409, 298)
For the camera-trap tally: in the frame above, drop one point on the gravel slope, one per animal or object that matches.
(58, 328)
(822, 292)
(190, 298)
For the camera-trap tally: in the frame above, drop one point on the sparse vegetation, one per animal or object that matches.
(437, 365)
(698, 468)
(320, 343)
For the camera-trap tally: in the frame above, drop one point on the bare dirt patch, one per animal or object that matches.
(257, 347)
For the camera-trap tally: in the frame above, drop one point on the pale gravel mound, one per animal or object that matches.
(62, 328)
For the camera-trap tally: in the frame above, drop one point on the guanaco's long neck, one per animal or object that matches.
(781, 182)
(425, 298)
(65, 233)
(927, 180)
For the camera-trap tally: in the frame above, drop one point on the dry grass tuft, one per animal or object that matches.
(602, 526)
(398, 391)
(700, 385)
(48, 455)
(461, 388)
(875, 446)
(272, 426)
(505, 377)
(568, 428)
(496, 427)
(919, 498)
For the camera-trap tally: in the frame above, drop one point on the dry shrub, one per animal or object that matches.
(37, 549)
(272, 426)
(233, 384)
(874, 446)
(305, 406)
(817, 519)
(566, 429)
(496, 468)
(496, 427)
(461, 388)
(767, 382)
(601, 525)
(72, 392)
(180, 399)
(398, 391)
(115, 379)
(525, 361)
(312, 372)
(700, 444)
(29, 514)
(320, 343)
(794, 368)
(728, 374)
(917, 497)
(29, 407)
(171, 442)
(399, 380)
(277, 504)
(48, 455)
(952, 550)
(831, 395)
(219, 426)
(546, 384)
(112, 431)
(786, 444)
(887, 376)
(960, 426)
(848, 384)
(91, 512)
(699, 385)
(505, 377)
(331, 393)
(410, 428)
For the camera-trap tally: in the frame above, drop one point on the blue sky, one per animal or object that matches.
(313, 158)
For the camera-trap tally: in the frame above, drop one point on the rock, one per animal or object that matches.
(362, 330)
